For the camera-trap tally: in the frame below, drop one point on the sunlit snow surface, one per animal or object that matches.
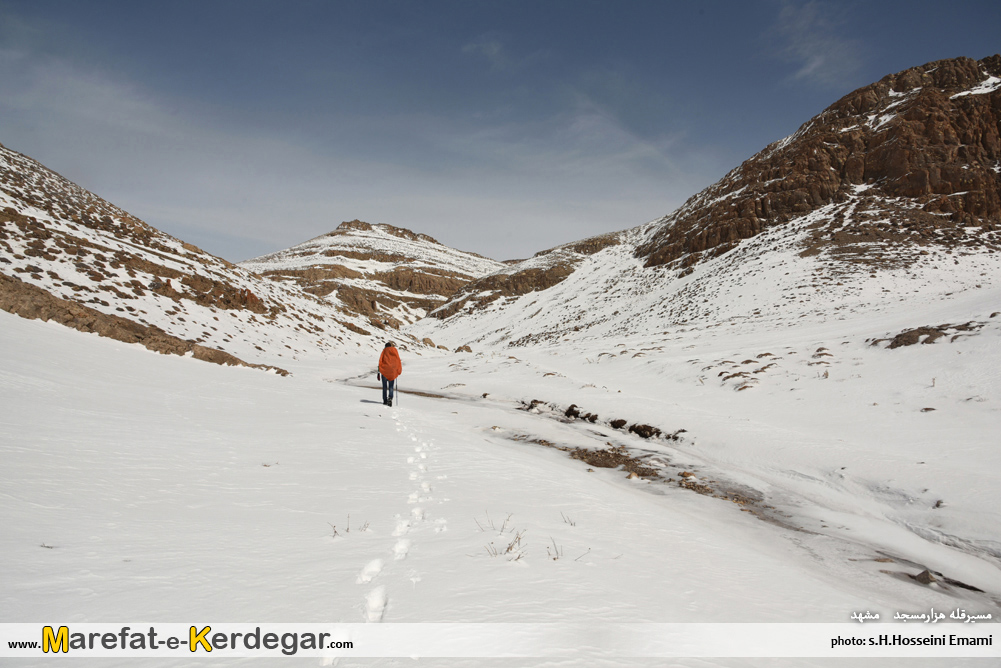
(141, 486)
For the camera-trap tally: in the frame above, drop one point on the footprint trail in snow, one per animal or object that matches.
(412, 520)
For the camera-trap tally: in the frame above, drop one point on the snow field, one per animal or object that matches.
(833, 432)
(141, 486)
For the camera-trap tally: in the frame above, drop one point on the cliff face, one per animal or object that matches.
(930, 135)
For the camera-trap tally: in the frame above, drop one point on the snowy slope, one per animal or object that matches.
(763, 283)
(72, 244)
(807, 421)
(775, 359)
(389, 274)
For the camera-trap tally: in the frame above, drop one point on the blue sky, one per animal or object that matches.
(498, 127)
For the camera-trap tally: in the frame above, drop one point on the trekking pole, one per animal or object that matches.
(397, 392)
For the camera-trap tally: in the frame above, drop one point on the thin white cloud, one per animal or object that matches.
(806, 34)
(55, 87)
(491, 48)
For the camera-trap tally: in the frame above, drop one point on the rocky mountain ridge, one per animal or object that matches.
(899, 181)
(928, 137)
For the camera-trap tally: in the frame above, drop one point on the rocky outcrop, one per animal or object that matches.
(31, 302)
(27, 182)
(486, 290)
(422, 282)
(930, 134)
(357, 225)
(930, 334)
(592, 245)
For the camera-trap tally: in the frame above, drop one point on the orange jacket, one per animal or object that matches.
(389, 363)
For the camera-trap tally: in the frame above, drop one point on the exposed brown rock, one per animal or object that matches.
(371, 302)
(354, 328)
(504, 285)
(644, 430)
(613, 458)
(594, 244)
(561, 262)
(929, 334)
(424, 282)
(347, 226)
(51, 193)
(907, 135)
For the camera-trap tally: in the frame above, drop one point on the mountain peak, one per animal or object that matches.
(355, 226)
(388, 275)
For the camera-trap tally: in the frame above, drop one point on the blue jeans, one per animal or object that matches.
(387, 389)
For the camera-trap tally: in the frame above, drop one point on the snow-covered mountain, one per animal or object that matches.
(387, 274)
(893, 191)
(726, 415)
(68, 255)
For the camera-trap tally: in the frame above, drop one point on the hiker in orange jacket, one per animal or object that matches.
(390, 368)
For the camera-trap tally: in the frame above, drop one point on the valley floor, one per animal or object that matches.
(138, 486)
